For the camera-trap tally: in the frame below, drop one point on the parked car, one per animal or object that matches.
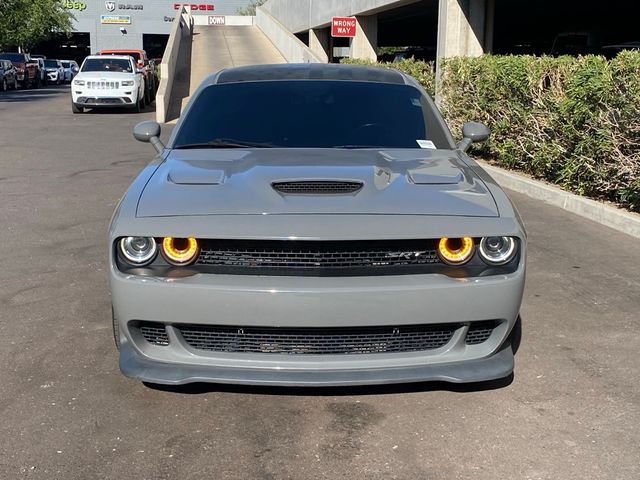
(359, 246)
(610, 51)
(55, 71)
(71, 69)
(111, 81)
(42, 71)
(8, 75)
(27, 73)
(143, 65)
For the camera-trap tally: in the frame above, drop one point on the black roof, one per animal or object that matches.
(310, 71)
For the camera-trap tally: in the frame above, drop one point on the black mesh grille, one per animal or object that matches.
(310, 255)
(317, 187)
(154, 333)
(479, 332)
(317, 341)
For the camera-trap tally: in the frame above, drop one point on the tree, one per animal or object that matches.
(24, 23)
(251, 8)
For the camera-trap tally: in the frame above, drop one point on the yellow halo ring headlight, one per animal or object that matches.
(456, 251)
(180, 251)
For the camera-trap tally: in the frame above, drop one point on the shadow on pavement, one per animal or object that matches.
(34, 94)
(202, 388)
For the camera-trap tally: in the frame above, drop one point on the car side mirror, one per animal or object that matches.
(473, 132)
(149, 132)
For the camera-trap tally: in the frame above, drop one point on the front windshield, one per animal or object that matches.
(107, 64)
(65, 64)
(312, 114)
(51, 64)
(14, 57)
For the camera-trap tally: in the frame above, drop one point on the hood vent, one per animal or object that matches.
(317, 187)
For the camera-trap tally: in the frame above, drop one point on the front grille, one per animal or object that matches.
(331, 257)
(317, 187)
(318, 341)
(154, 333)
(100, 85)
(102, 101)
(479, 332)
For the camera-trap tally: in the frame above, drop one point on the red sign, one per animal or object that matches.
(343, 27)
(195, 6)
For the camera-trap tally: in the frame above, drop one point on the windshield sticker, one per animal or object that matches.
(416, 102)
(426, 144)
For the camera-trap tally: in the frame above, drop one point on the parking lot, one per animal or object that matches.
(572, 410)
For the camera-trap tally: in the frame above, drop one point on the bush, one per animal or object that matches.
(572, 121)
(421, 71)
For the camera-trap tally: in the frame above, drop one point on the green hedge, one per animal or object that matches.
(572, 121)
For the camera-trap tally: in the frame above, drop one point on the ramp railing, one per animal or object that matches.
(290, 46)
(180, 33)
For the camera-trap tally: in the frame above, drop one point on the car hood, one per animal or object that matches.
(240, 182)
(104, 76)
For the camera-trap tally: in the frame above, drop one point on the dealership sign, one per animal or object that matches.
(343, 27)
(202, 7)
(71, 5)
(115, 19)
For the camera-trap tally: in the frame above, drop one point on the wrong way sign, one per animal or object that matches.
(343, 27)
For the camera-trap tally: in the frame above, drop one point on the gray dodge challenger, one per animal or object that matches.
(315, 225)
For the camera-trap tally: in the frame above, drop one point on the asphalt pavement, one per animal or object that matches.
(572, 410)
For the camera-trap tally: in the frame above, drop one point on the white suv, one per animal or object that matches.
(107, 81)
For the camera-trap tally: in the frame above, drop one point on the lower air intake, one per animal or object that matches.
(479, 332)
(154, 333)
(318, 341)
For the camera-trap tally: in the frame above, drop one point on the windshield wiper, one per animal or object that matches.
(225, 143)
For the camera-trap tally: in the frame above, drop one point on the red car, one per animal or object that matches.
(142, 62)
(28, 73)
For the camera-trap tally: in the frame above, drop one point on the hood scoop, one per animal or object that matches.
(317, 187)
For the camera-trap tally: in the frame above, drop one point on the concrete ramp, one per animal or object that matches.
(213, 48)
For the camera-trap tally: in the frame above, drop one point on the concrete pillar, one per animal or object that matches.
(461, 28)
(465, 29)
(489, 26)
(365, 44)
(319, 42)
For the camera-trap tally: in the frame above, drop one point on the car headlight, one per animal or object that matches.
(127, 83)
(180, 251)
(138, 251)
(79, 82)
(497, 250)
(456, 251)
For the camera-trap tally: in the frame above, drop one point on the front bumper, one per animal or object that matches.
(100, 98)
(254, 301)
(135, 365)
(52, 76)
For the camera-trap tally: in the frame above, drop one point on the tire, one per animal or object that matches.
(75, 108)
(5, 85)
(137, 108)
(116, 329)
